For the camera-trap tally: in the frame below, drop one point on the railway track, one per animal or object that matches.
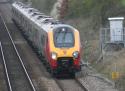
(17, 77)
(70, 85)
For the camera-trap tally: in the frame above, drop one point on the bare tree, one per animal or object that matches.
(60, 9)
(63, 9)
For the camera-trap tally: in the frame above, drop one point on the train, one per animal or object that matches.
(57, 42)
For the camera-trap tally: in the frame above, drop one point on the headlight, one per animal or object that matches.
(75, 54)
(54, 55)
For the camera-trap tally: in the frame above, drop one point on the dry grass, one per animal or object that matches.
(113, 61)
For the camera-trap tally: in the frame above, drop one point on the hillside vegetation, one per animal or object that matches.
(86, 15)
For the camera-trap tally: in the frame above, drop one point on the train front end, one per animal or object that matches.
(65, 49)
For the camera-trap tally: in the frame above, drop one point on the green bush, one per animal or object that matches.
(81, 8)
(103, 8)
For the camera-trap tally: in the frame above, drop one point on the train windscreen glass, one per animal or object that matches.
(63, 37)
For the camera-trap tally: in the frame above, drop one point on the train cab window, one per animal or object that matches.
(64, 37)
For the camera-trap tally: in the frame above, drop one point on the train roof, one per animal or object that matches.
(47, 23)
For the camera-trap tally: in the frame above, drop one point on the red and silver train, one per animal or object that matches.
(58, 43)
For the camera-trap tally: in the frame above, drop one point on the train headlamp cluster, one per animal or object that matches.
(54, 55)
(75, 54)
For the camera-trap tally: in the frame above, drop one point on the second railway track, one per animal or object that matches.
(16, 73)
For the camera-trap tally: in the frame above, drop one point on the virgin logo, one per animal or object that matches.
(64, 52)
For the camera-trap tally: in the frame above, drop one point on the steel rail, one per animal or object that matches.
(28, 77)
(81, 85)
(5, 67)
(62, 89)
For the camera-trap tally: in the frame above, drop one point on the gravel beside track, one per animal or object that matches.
(41, 78)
